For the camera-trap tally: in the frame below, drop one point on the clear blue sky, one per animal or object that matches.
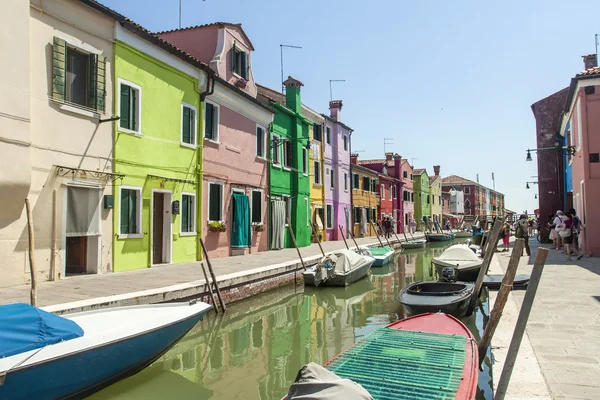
(451, 82)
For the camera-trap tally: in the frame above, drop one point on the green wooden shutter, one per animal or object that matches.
(185, 213)
(101, 83)
(208, 121)
(244, 71)
(133, 109)
(187, 135)
(59, 67)
(125, 112)
(133, 211)
(92, 80)
(124, 211)
(233, 53)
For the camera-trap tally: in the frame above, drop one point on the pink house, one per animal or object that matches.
(408, 195)
(581, 127)
(235, 166)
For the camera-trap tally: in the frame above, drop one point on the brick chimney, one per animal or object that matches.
(389, 156)
(354, 158)
(335, 110)
(436, 170)
(397, 166)
(292, 94)
(590, 61)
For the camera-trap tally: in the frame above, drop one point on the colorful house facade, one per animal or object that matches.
(289, 169)
(581, 122)
(473, 198)
(408, 195)
(422, 197)
(157, 203)
(317, 174)
(435, 187)
(235, 146)
(338, 207)
(365, 198)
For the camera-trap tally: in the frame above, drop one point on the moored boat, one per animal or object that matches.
(382, 255)
(463, 234)
(414, 244)
(46, 356)
(429, 297)
(428, 356)
(340, 268)
(439, 237)
(494, 282)
(462, 259)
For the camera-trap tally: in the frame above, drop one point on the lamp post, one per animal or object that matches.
(532, 182)
(570, 150)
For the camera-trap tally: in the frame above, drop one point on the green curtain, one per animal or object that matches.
(240, 235)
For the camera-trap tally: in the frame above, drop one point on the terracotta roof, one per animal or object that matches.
(365, 170)
(432, 179)
(457, 180)
(219, 24)
(376, 162)
(418, 171)
(590, 71)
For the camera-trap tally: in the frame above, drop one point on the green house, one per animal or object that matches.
(289, 171)
(422, 196)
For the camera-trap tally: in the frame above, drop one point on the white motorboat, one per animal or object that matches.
(340, 268)
(462, 259)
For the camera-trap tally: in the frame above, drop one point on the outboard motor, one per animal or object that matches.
(448, 275)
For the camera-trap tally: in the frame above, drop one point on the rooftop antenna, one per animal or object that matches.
(493, 181)
(281, 46)
(412, 161)
(180, 13)
(387, 141)
(330, 92)
(597, 42)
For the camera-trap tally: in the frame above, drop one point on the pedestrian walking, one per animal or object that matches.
(521, 233)
(566, 232)
(577, 225)
(505, 235)
(530, 227)
(558, 221)
(413, 226)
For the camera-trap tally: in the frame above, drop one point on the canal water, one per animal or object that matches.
(255, 350)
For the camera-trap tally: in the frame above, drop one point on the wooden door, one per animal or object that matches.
(76, 255)
(157, 228)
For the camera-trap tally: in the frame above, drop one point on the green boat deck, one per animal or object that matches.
(397, 364)
(380, 251)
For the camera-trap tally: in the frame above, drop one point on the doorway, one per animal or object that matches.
(240, 220)
(161, 227)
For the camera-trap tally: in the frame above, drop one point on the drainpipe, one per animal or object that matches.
(210, 88)
(351, 212)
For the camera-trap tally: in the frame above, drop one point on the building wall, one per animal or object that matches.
(585, 126)
(436, 200)
(422, 190)
(157, 151)
(363, 198)
(42, 135)
(233, 161)
(317, 191)
(409, 205)
(386, 202)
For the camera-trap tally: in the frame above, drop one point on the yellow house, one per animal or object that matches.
(316, 154)
(435, 187)
(365, 198)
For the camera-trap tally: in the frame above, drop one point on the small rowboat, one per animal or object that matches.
(46, 356)
(414, 244)
(428, 356)
(463, 234)
(439, 237)
(462, 259)
(340, 268)
(447, 297)
(382, 255)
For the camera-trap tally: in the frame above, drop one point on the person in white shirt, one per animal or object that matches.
(558, 221)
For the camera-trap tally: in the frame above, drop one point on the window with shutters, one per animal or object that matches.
(261, 142)
(211, 121)
(188, 125)
(317, 172)
(215, 201)
(276, 156)
(130, 98)
(405, 174)
(467, 190)
(393, 191)
(329, 216)
(318, 132)
(357, 214)
(373, 186)
(239, 62)
(332, 179)
(187, 213)
(412, 196)
(287, 154)
(130, 212)
(304, 161)
(355, 181)
(373, 214)
(328, 135)
(366, 184)
(345, 143)
(257, 204)
(345, 182)
(382, 191)
(78, 76)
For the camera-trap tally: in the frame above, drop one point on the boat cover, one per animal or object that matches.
(458, 252)
(24, 328)
(315, 382)
(347, 260)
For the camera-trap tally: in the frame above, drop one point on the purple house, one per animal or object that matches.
(337, 172)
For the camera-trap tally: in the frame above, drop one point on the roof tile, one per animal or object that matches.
(589, 72)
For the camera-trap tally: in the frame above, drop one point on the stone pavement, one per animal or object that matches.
(164, 283)
(563, 332)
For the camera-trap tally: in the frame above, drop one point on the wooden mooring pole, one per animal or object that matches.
(314, 231)
(487, 259)
(295, 243)
(32, 268)
(209, 284)
(376, 234)
(212, 274)
(384, 234)
(501, 299)
(515, 343)
(344, 237)
(354, 240)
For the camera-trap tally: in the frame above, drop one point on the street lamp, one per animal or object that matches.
(278, 142)
(532, 182)
(535, 197)
(570, 150)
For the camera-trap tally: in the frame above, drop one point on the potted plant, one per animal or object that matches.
(259, 227)
(241, 83)
(216, 226)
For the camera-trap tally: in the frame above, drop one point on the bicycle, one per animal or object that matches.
(543, 235)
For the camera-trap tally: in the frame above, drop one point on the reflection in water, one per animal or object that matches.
(255, 350)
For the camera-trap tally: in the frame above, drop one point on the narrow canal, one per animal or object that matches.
(256, 349)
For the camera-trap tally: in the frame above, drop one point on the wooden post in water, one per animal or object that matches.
(353, 239)
(295, 244)
(384, 234)
(212, 274)
(485, 265)
(515, 343)
(208, 283)
(343, 237)
(376, 234)
(32, 268)
(314, 231)
(501, 299)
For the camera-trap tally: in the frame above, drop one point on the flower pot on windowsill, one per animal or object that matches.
(216, 227)
(241, 83)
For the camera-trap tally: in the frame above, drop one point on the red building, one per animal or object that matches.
(479, 201)
(389, 187)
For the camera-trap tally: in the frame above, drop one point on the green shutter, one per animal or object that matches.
(244, 71)
(124, 211)
(185, 213)
(133, 109)
(233, 51)
(133, 211)
(187, 135)
(101, 83)
(92, 80)
(59, 67)
(208, 121)
(125, 114)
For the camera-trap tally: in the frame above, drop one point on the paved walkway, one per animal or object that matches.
(563, 332)
(165, 283)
